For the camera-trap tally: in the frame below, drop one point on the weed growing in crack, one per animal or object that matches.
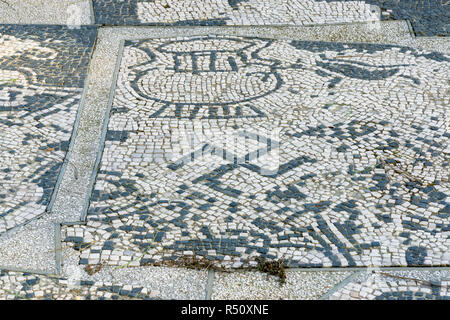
(274, 268)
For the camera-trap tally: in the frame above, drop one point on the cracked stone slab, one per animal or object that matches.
(72, 13)
(332, 187)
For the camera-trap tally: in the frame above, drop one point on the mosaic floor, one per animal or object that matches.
(231, 12)
(226, 133)
(42, 71)
(239, 149)
(27, 286)
(428, 17)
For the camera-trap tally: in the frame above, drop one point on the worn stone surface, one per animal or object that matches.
(299, 285)
(62, 12)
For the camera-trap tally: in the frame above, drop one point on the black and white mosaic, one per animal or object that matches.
(428, 17)
(238, 149)
(42, 71)
(28, 286)
(231, 12)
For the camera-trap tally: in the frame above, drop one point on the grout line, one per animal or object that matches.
(73, 223)
(16, 227)
(362, 268)
(236, 30)
(260, 26)
(14, 269)
(58, 248)
(92, 12)
(284, 25)
(340, 285)
(209, 284)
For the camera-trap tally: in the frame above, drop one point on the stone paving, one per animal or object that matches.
(230, 146)
(60, 12)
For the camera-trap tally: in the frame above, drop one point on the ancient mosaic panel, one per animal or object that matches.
(239, 149)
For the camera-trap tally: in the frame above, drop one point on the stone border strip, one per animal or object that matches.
(18, 12)
(104, 131)
(209, 285)
(340, 285)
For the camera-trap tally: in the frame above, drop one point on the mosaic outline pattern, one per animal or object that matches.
(199, 200)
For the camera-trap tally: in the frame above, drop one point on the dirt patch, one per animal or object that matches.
(92, 268)
(273, 268)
